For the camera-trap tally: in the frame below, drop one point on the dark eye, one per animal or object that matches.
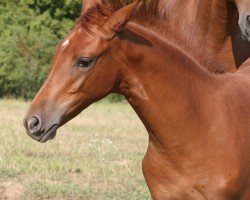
(84, 62)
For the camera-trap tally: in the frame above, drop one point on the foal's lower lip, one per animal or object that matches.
(50, 134)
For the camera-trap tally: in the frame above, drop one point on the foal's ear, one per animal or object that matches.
(87, 4)
(119, 19)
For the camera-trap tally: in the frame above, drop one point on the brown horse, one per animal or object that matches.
(211, 25)
(198, 122)
(244, 17)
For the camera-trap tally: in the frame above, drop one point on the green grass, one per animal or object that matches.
(96, 156)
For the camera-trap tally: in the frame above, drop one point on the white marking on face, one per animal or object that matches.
(65, 44)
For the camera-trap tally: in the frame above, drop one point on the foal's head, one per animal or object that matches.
(84, 70)
(244, 17)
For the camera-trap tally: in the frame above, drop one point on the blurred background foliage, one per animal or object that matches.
(29, 32)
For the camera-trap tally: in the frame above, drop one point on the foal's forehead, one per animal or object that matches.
(69, 39)
(65, 43)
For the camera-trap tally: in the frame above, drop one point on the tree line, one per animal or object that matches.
(29, 32)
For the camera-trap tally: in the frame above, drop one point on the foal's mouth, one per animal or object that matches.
(49, 135)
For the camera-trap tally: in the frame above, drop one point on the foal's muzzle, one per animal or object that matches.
(36, 129)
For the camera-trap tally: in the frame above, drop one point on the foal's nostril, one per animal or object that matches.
(34, 125)
(34, 122)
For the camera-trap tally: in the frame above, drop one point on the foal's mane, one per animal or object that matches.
(150, 13)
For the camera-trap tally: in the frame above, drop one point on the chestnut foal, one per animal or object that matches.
(198, 122)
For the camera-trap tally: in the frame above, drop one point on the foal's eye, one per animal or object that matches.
(84, 62)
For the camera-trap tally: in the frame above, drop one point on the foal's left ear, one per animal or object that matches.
(87, 4)
(119, 19)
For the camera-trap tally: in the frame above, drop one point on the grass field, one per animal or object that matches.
(97, 156)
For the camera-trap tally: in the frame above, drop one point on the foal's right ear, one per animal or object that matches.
(119, 19)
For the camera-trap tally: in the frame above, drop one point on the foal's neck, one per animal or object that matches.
(197, 24)
(165, 90)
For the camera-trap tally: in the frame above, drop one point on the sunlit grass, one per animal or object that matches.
(96, 156)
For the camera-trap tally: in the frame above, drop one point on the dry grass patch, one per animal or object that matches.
(96, 156)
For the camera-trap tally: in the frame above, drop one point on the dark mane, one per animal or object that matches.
(155, 14)
(97, 15)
